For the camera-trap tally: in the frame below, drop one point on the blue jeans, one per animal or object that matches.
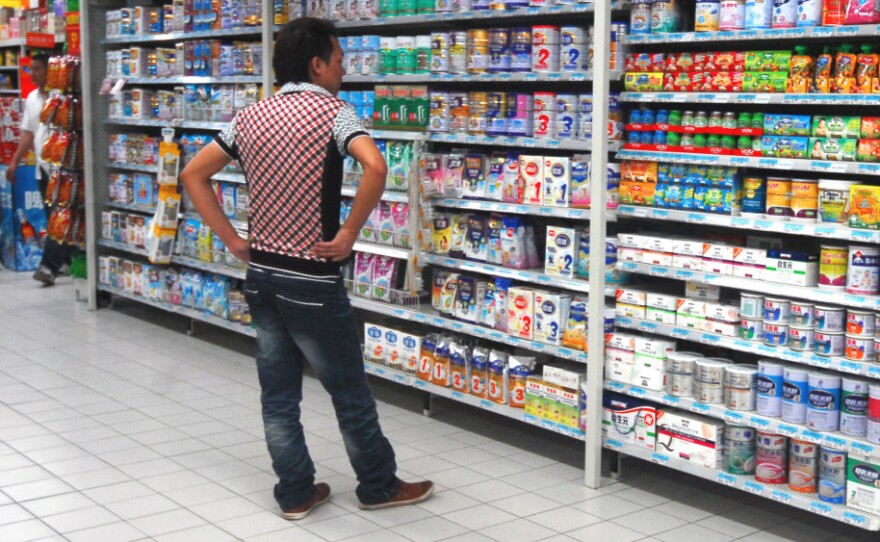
(301, 318)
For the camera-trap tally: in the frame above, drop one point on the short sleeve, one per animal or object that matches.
(347, 128)
(30, 121)
(226, 139)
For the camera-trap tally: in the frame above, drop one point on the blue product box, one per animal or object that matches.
(787, 125)
(785, 146)
(22, 220)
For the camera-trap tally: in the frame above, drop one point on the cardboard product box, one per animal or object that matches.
(870, 128)
(560, 256)
(650, 346)
(722, 328)
(638, 171)
(864, 206)
(411, 351)
(656, 243)
(629, 420)
(630, 255)
(826, 148)
(629, 296)
(718, 251)
(863, 485)
(748, 271)
(719, 267)
(794, 268)
(619, 371)
(643, 82)
(764, 81)
(649, 373)
(551, 315)
(521, 312)
(694, 438)
(839, 127)
(557, 181)
(660, 316)
(691, 322)
(767, 61)
(631, 240)
(691, 263)
(622, 341)
(787, 125)
(665, 302)
(688, 247)
(785, 146)
(691, 307)
(663, 259)
(637, 193)
(630, 311)
(566, 377)
(531, 170)
(724, 312)
(707, 292)
(869, 150)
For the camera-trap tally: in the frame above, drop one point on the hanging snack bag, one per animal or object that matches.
(384, 277)
(449, 294)
(363, 274)
(476, 245)
(473, 181)
(511, 181)
(441, 238)
(575, 335)
(494, 250)
(494, 175)
(459, 236)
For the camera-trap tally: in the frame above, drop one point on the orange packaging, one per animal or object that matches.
(638, 171)
(731, 61)
(844, 81)
(426, 359)
(866, 71)
(870, 127)
(636, 193)
(440, 368)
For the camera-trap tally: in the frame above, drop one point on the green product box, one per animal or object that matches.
(829, 148)
(383, 107)
(787, 125)
(830, 126)
(754, 81)
(863, 485)
(767, 61)
(420, 106)
(785, 146)
(401, 100)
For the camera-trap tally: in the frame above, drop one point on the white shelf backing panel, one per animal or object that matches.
(124, 247)
(388, 195)
(478, 402)
(835, 440)
(194, 80)
(750, 98)
(434, 319)
(500, 77)
(823, 230)
(583, 146)
(176, 36)
(526, 275)
(753, 347)
(147, 209)
(815, 32)
(382, 250)
(219, 269)
(173, 123)
(777, 492)
(519, 209)
(810, 293)
(184, 311)
(790, 164)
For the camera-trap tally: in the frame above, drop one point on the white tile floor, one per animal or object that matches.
(116, 426)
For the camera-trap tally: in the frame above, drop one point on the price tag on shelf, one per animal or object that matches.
(555, 76)
(710, 338)
(613, 444)
(811, 436)
(862, 235)
(874, 372)
(656, 271)
(763, 224)
(819, 361)
(399, 377)
(660, 459)
(753, 487)
(787, 430)
(726, 479)
(835, 442)
(823, 31)
(671, 399)
(733, 417)
(650, 327)
(792, 228)
(681, 333)
(638, 392)
(740, 222)
(838, 167)
(614, 385)
(696, 217)
(820, 508)
(420, 383)
(853, 518)
(699, 407)
(757, 421)
(850, 367)
(497, 336)
(780, 496)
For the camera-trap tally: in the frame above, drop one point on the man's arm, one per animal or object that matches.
(25, 144)
(372, 185)
(196, 179)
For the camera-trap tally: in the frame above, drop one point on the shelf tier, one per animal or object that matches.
(193, 80)
(222, 176)
(526, 275)
(137, 207)
(789, 164)
(174, 36)
(185, 311)
(388, 195)
(174, 123)
(752, 347)
(750, 98)
(505, 141)
(838, 441)
(219, 269)
(478, 402)
(237, 224)
(398, 135)
(382, 250)
(433, 318)
(518, 209)
(815, 32)
(822, 230)
(12, 42)
(780, 493)
(9, 91)
(9, 69)
(811, 293)
(501, 77)
(124, 247)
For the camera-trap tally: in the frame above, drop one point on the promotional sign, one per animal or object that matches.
(22, 220)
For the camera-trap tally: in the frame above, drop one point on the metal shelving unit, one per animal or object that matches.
(177, 36)
(788, 164)
(146, 209)
(769, 34)
(124, 247)
(519, 209)
(174, 123)
(750, 98)
(193, 80)
(499, 77)
(528, 142)
(388, 195)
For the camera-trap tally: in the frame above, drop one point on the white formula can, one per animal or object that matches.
(809, 12)
(862, 272)
(859, 348)
(802, 314)
(682, 362)
(854, 407)
(751, 306)
(776, 309)
(710, 394)
(710, 370)
(802, 339)
(860, 323)
(830, 319)
(751, 330)
(795, 387)
(740, 376)
(740, 398)
(832, 476)
(733, 15)
(823, 401)
(830, 344)
(770, 383)
(775, 334)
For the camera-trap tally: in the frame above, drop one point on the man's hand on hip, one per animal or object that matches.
(339, 248)
(10, 172)
(241, 249)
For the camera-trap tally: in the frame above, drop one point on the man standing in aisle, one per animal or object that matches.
(56, 256)
(291, 148)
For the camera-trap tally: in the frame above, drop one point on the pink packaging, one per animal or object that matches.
(863, 12)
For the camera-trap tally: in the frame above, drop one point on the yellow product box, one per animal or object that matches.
(864, 207)
(643, 82)
(637, 193)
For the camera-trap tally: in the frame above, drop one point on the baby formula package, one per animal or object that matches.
(363, 274)
(434, 176)
(513, 243)
(478, 371)
(575, 335)
(494, 250)
(519, 368)
(449, 293)
(459, 353)
(440, 368)
(502, 289)
(476, 246)
(494, 175)
(438, 280)
(473, 181)
(459, 236)
(400, 224)
(533, 260)
(467, 299)
(441, 238)
(384, 277)
(512, 184)
(426, 356)
(497, 377)
(453, 168)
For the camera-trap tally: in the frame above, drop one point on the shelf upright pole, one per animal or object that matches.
(598, 184)
(91, 168)
(268, 38)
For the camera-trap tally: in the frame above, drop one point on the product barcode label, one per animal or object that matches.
(788, 430)
(780, 496)
(726, 479)
(853, 519)
(753, 487)
(659, 458)
(820, 508)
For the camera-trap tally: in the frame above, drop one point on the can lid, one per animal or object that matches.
(795, 373)
(854, 385)
(741, 369)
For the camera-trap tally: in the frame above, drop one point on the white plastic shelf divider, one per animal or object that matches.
(219, 269)
(134, 167)
(124, 247)
(790, 164)
(194, 80)
(776, 492)
(398, 135)
(388, 195)
(750, 98)
(174, 123)
(174, 36)
(519, 209)
(478, 402)
(501, 77)
(382, 250)
(815, 32)
(753, 347)
(432, 318)
(148, 209)
(823, 230)
(835, 440)
(527, 275)
(529, 142)
(185, 311)
(811, 293)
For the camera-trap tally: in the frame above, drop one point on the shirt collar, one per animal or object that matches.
(303, 87)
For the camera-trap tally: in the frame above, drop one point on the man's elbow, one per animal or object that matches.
(377, 169)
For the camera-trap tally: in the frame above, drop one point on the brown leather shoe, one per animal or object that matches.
(408, 494)
(322, 495)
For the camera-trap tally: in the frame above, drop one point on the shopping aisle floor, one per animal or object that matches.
(116, 426)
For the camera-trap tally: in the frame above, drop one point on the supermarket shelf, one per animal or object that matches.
(125, 247)
(504, 77)
(753, 347)
(148, 209)
(506, 141)
(779, 493)
(790, 164)
(224, 270)
(9, 91)
(237, 224)
(382, 250)
(835, 440)
(185, 311)
(811, 293)
(174, 36)
(174, 123)
(816, 32)
(822, 230)
(12, 42)
(398, 135)
(134, 167)
(388, 195)
(9, 69)
(750, 98)
(531, 276)
(517, 209)
(230, 177)
(478, 402)
(433, 318)
(193, 80)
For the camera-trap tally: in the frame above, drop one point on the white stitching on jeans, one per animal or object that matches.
(301, 302)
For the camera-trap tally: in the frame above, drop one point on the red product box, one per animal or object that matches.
(677, 82)
(728, 61)
(716, 82)
(687, 62)
(645, 62)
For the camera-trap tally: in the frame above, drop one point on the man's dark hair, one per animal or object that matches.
(297, 43)
(40, 57)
